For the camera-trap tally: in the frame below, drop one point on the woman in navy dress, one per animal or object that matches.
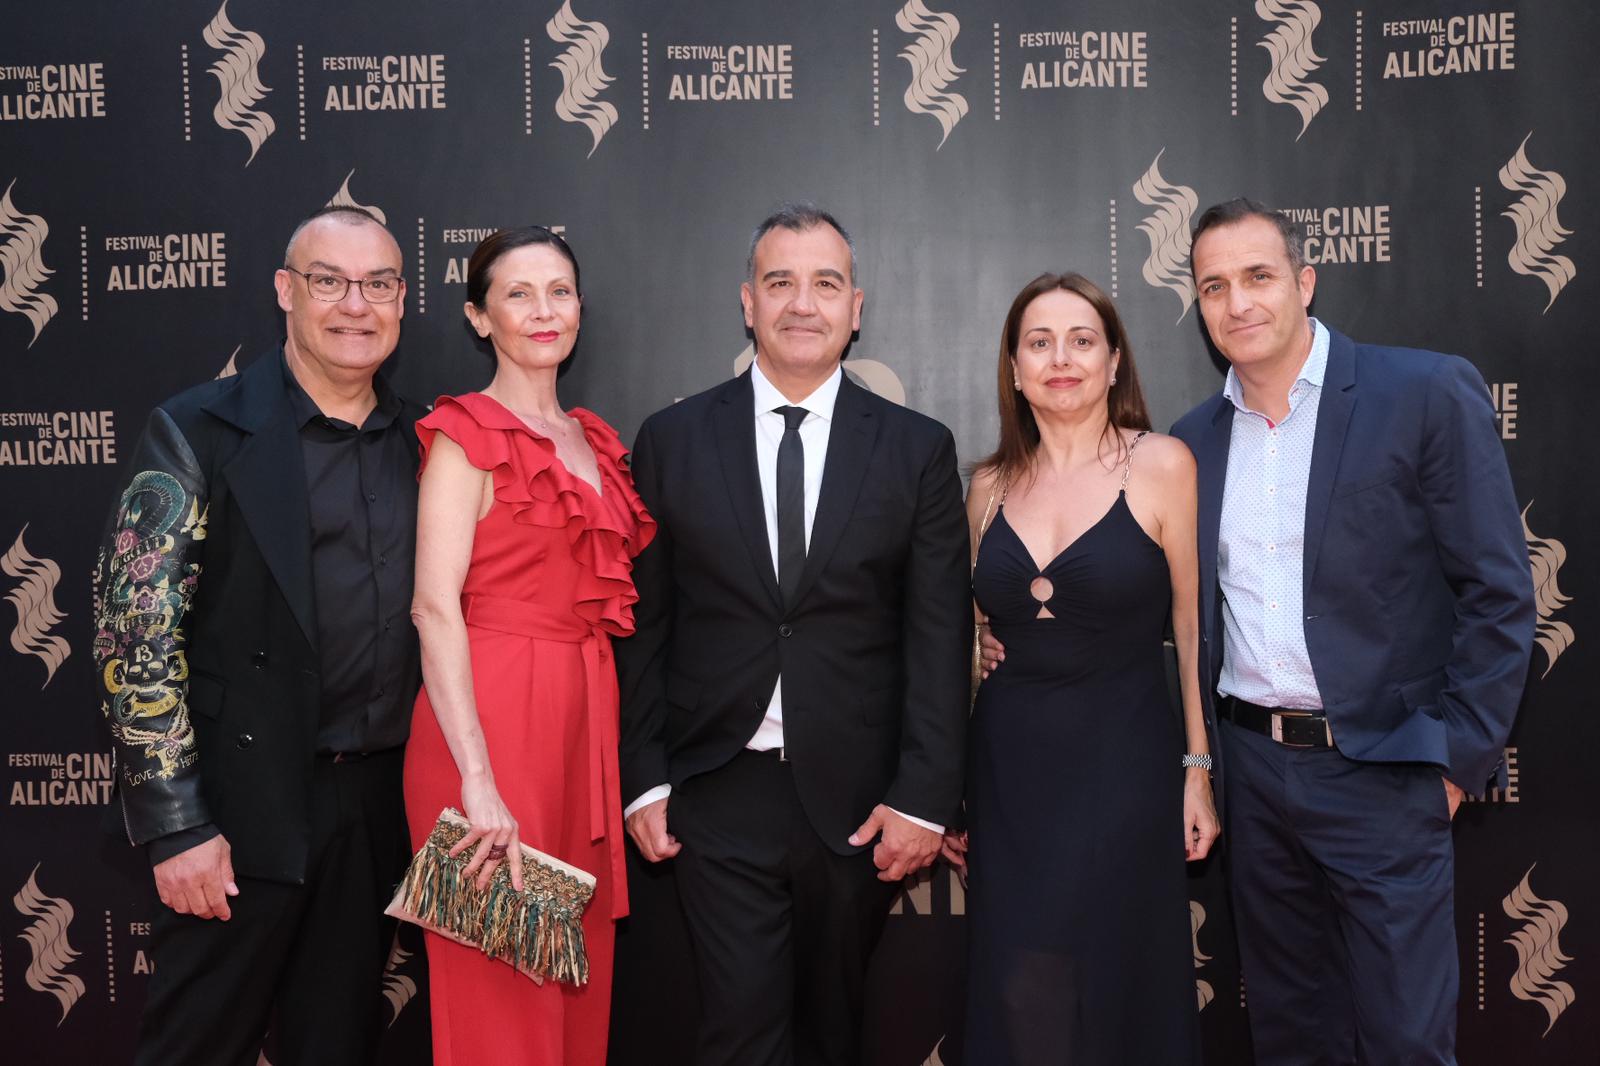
(1086, 792)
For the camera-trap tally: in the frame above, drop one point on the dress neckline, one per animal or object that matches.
(577, 413)
(1121, 500)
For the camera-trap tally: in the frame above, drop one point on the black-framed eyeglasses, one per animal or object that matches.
(331, 288)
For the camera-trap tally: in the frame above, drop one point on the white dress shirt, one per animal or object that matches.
(1261, 544)
(815, 429)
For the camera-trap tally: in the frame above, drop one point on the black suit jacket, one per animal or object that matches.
(206, 623)
(874, 650)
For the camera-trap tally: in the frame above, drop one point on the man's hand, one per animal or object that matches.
(1454, 793)
(904, 847)
(199, 881)
(994, 653)
(648, 828)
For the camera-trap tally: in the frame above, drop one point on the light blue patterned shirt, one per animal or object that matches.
(1261, 544)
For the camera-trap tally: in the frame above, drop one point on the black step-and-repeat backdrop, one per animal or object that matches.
(153, 158)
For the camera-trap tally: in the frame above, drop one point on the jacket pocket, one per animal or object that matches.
(1421, 694)
(682, 692)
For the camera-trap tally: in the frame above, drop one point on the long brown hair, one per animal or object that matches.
(1019, 431)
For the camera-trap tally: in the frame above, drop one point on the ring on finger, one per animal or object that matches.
(497, 851)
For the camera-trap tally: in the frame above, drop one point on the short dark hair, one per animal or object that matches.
(1230, 212)
(354, 216)
(496, 246)
(797, 217)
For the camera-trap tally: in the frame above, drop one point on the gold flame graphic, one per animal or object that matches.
(47, 939)
(22, 268)
(1539, 954)
(1538, 228)
(398, 989)
(239, 80)
(342, 198)
(1167, 227)
(35, 601)
(1204, 993)
(582, 77)
(1546, 556)
(1293, 60)
(933, 67)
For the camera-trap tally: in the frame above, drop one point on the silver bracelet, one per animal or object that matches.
(1202, 761)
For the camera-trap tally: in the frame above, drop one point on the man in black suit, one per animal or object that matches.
(795, 699)
(257, 668)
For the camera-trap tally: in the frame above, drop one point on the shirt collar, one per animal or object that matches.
(1315, 366)
(306, 410)
(819, 403)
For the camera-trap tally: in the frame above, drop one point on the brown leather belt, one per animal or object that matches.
(1292, 729)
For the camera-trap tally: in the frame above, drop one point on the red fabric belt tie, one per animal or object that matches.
(526, 619)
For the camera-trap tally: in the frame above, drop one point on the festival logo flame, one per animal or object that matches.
(47, 939)
(231, 367)
(1546, 556)
(933, 68)
(342, 198)
(239, 79)
(398, 989)
(1202, 988)
(934, 1058)
(1539, 954)
(1167, 227)
(35, 601)
(1538, 228)
(22, 268)
(582, 77)
(1293, 60)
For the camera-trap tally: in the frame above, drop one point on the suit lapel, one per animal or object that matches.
(850, 441)
(1211, 457)
(268, 481)
(1334, 408)
(735, 427)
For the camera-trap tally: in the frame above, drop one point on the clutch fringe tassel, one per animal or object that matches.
(539, 930)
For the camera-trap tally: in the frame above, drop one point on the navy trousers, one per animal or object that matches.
(1343, 881)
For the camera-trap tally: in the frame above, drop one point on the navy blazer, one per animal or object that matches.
(1419, 611)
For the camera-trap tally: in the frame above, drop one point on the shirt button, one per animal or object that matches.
(1270, 548)
(1272, 490)
(245, 740)
(1273, 605)
(785, 630)
(380, 692)
(372, 497)
(383, 560)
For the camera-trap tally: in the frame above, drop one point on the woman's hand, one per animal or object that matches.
(493, 829)
(954, 850)
(1200, 828)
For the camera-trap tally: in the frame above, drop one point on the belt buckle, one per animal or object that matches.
(1277, 730)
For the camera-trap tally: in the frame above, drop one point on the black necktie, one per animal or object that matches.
(791, 503)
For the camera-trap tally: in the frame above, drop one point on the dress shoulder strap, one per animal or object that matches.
(1127, 467)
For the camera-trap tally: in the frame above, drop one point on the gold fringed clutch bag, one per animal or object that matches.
(538, 930)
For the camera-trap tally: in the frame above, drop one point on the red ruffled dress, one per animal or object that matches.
(549, 585)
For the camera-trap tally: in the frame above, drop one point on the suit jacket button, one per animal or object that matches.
(786, 630)
(258, 659)
(245, 740)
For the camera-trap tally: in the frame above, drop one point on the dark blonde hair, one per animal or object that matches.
(1019, 430)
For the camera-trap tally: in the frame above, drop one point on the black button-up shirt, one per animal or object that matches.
(362, 486)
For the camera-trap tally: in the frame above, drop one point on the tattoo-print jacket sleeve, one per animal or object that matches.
(145, 582)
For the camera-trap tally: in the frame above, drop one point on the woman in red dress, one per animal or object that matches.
(527, 526)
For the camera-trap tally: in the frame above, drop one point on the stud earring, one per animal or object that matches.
(1113, 379)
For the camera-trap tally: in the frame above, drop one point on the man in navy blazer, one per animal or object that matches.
(1367, 618)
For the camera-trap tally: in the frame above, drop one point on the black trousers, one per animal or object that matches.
(783, 927)
(1343, 881)
(305, 960)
